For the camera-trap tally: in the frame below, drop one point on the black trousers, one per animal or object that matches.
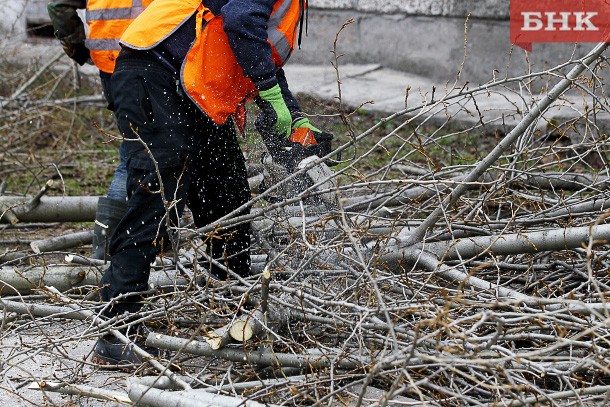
(200, 165)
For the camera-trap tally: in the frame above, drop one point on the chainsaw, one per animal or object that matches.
(289, 155)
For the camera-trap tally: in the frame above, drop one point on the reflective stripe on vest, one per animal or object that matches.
(115, 13)
(276, 37)
(107, 20)
(102, 45)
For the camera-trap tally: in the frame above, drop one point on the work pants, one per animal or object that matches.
(200, 164)
(116, 190)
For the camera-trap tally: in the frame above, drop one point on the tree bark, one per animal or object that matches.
(258, 357)
(52, 209)
(149, 396)
(64, 242)
(41, 310)
(23, 280)
(516, 243)
(82, 391)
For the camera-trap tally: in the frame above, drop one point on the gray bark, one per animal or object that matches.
(64, 242)
(41, 310)
(148, 396)
(517, 243)
(23, 280)
(52, 209)
(258, 357)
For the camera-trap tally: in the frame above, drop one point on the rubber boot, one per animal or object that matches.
(109, 214)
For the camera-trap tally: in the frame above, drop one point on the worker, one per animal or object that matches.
(181, 82)
(107, 20)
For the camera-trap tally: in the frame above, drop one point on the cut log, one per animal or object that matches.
(64, 242)
(149, 396)
(42, 310)
(23, 280)
(12, 256)
(247, 326)
(258, 357)
(82, 391)
(52, 208)
(85, 261)
(7, 215)
(219, 338)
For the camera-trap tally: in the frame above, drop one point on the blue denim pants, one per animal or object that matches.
(117, 189)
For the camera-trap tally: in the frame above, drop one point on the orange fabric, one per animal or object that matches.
(211, 75)
(304, 136)
(104, 4)
(105, 60)
(157, 22)
(288, 26)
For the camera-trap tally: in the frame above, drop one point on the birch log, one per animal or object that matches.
(247, 326)
(23, 280)
(258, 357)
(52, 208)
(149, 396)
(64, 242)
(82, 391)
(515, 243)
(241, 329)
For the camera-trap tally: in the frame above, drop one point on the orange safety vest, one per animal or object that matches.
(210, 74)
(107, 20)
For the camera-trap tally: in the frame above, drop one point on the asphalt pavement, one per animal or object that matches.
(387, 91)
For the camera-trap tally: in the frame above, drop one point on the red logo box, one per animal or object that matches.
(559, 21)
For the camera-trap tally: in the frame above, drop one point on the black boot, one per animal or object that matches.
(109, 214)
(110, 353)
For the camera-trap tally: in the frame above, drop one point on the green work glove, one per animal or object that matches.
(313, 140)
(303, 122)
(275, 115)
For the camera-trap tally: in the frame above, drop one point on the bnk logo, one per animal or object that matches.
(559, 21)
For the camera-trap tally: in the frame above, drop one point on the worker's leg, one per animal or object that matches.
(110, 209)
(220, 187)
(157, 142)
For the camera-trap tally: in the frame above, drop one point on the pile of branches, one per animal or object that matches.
(414, 283)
